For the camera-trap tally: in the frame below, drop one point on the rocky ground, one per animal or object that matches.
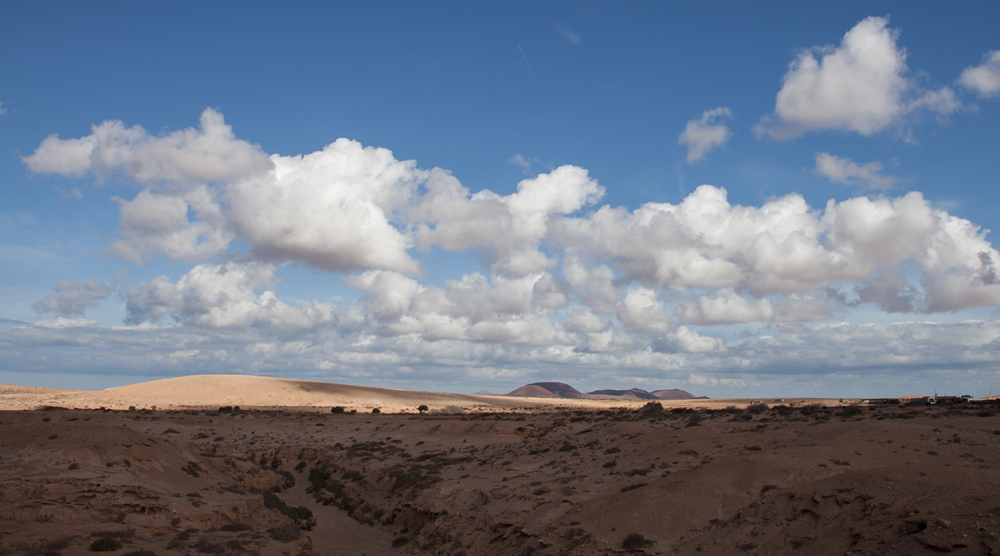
(765, 480)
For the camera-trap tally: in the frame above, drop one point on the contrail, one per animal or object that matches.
(527, 62)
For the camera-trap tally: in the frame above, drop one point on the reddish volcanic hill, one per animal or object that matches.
(561, 390)
(547, 390)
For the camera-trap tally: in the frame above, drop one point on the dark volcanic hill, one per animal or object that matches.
(547, 390)
(561, 390)
(637, 393)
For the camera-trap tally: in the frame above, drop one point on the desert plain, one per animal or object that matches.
(174, 467)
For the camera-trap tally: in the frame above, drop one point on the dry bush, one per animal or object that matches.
(286, 533)
(634, 542)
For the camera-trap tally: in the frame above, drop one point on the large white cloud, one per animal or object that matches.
(984, 79)
(331, 209)
(785, 247)
(209, 153)
(475, 308)
(728, 307)
(154, 223)
(861, 86)
(203, 188)
(510, 227)
(221, 295)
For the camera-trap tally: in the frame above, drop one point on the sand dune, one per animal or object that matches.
(243, 390)
(246, 391)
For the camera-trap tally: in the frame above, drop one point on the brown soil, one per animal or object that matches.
(785, 480)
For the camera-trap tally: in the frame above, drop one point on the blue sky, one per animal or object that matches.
(517, 196)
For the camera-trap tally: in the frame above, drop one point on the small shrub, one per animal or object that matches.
(757, 408)
(287, 533)
(634, 542)
(652, 407)
(206, 546)
(235, 527)
(55, 547)
(376, 411)
(850, 411)
(105, 544)
(812, 409)
(192, 468)
(337, 410)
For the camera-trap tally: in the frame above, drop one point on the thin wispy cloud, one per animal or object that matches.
(570, 36)
(525, 163)
(525, 56)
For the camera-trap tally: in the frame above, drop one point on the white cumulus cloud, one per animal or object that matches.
(72, 297)
(209, 153)
(862, 85)
(221, 295)
(705, 134)
(984, 79)
(509, 227)
(332, 209)
(847, 172)
(787, 247)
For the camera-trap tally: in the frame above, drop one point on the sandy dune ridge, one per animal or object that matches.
(246, 391)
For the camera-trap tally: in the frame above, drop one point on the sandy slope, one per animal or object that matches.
(254, 391)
